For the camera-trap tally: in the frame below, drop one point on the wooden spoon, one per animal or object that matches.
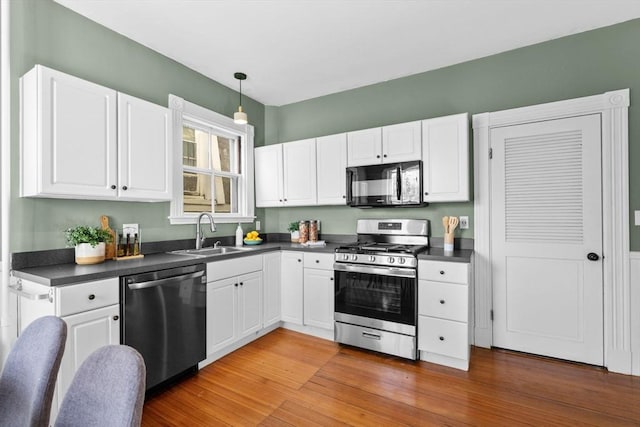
(445, 224)
(453, 223)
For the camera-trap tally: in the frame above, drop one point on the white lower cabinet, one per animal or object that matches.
(318, 290)
(86, 332)
(234, 301)
(292, 288)
(91, 311)
(271, 277)
(444, 315)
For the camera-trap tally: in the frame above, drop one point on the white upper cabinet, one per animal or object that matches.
(364, 147)
(445, 156)
(81, 140)
(388, 144)
(144, 145)
(69, 136)
(401, 142)
(286, 174)
(331, 162)
(268, 175)
(299, 159)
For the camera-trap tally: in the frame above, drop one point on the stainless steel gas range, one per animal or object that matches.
(376, 286)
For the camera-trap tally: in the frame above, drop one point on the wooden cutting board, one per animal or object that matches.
(110, 248)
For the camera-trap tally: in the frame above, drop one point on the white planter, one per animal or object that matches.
(295, 236)
(87, 254)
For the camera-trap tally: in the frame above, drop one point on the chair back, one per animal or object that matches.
(30, 372)
(107, 390)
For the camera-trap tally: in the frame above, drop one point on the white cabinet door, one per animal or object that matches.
(86, 332)
(318, 298)
(299, 159)
(249, 303)
(69, 136)
(364, 147)
(331, 162)
(268, 176)
(445, 157)
(292, 288)
(221, 314)
(271, 277)
(401, 142)
(144, 150)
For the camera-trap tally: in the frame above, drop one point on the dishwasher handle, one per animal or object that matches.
(154, 283)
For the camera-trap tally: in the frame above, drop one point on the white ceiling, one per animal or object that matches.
(294, 50)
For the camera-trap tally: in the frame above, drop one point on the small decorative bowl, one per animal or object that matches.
(252, 242)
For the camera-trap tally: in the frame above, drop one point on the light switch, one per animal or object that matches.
(637, 215)
(257, 225)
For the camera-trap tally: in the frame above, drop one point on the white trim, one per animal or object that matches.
(613, 107)
(634, 279)
(8, 322)
(184, 109)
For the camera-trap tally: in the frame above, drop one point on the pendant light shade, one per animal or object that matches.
(240, 117)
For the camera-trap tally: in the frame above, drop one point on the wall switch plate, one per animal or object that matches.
(464, 222)
(637, 217)
(257, 225)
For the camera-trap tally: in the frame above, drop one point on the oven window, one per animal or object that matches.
(375, 296)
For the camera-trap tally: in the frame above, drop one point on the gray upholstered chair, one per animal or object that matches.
(107, 390)
(30, 372)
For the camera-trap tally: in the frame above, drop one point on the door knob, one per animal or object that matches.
(592, 256)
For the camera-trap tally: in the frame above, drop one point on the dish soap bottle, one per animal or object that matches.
(239, 235)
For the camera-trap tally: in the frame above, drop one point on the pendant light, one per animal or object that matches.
(240, 117)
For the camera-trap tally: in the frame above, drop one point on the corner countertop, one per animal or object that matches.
(68, 274)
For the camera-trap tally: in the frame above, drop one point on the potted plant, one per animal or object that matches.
(89, 243)
(293, 229)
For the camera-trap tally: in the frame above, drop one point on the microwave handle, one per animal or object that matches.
(398, 183)
(349, 185)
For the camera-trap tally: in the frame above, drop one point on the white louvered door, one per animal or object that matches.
(546, 217)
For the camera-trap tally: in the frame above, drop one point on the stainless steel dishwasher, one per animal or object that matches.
(164, 318)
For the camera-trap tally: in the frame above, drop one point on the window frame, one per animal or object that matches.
(184, 111)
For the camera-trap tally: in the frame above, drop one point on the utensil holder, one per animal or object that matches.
(448, 242)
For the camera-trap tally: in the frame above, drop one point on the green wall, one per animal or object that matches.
(46, 33)
(43, 32)
(585, 64)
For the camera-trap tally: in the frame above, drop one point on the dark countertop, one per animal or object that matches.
(438, 254)
(67, 274)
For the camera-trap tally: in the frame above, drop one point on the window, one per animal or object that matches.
(214, 173)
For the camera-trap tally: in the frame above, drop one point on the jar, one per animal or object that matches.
(313, 230)
(303, 229)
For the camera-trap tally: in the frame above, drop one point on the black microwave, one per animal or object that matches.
(386, 185)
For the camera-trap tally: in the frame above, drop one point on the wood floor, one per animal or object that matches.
(286, 378)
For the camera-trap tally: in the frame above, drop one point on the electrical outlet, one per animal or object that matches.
(637, 217)
(257, 225)
(464, 222)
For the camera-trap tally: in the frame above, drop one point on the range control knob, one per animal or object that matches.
(354, 257)
(345, 257)
(401, 260)
(391, 260)
(372, 258)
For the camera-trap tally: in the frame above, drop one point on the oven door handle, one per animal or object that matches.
(381, 271)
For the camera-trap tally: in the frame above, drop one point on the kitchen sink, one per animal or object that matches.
(205, 252)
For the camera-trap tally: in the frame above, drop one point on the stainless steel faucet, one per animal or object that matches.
(199, 235)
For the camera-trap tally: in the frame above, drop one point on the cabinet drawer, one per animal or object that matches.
(87, 296)
(445, 300)
(442, 271)
(321, 261)
(443, 337)
(233, 267)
